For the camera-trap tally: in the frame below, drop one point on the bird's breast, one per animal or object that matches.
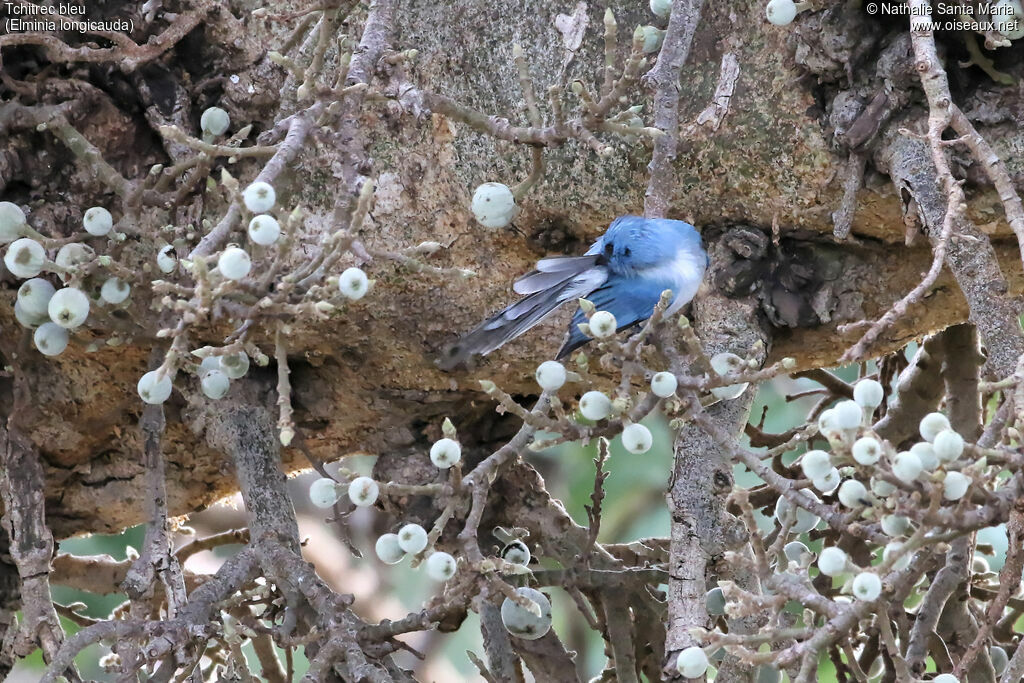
(682, 274)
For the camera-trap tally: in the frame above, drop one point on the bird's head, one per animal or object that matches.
(633, 243)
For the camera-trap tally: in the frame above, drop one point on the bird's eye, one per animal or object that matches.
(626, 252)
(608, 249)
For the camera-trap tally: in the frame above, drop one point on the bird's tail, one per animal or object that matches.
(546, 290)
(502, 327)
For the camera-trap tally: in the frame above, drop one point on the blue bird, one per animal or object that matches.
(624, 273)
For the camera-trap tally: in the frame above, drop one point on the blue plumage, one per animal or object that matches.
(624, 273)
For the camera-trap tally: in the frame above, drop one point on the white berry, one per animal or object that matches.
(868, 393)
(827, 421)
(714, 601)
(214, 121)
(1008, 17)
(68, 307)
(353, 283)
(895, 525)
(363, 491)
(235, 365)
(852, 494)
(724, 364)
(602, 324)
(550, 375)
(445, 453)
(932, 424)
(848, 415)
(827, 482)
(906, 466)
(154, 389)
(166, 260)
(866, 450)
(794, 550)
(999, 659)
(661, 8)
(215, 384)
(259, 197)
(805, 519)
(209, 363)
(780, 12)
(815, 464)
(27, 319)
(493, 205)
(653, 38)
(234, 263)
(412, 538)
(948, 445)
(945, 678)
(664, 384)
(323, 492)
(832, 561)
(264, 229)
(115, 290)
(692, 662)
(955, 485)
(926, 454)
(522, 622)
(12, 222)
(637, 438)
(388, 549)
(34, 296)
(440, 566)
(74, 254)
(51, 339)
(867, 586)
(25, 258)
(880, 487)
(97, 221)
(595, 406)
(893, 549)
(516, 552)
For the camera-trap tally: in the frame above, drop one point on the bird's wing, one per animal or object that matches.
(630, 300)
(553, 271)
(519, 317)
